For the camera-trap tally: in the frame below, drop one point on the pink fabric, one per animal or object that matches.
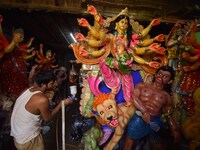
(94, 83)
(111, 78)
(127, 86)
(134, 40)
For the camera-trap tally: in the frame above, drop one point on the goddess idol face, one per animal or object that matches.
(122, 26)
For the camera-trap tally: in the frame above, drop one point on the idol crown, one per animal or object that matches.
(110, 19)
(123, 12)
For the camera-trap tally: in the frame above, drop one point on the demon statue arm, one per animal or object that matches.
(174, 127)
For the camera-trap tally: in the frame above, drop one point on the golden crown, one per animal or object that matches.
(123, 12)
(110, 19)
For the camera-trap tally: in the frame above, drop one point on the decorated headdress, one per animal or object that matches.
(123, 12)
(110, 19)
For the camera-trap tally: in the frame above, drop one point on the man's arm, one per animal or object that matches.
(172, 122)
(45, 112)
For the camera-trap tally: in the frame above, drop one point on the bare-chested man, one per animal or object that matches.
(151, 100)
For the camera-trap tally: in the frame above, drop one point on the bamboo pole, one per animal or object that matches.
(63, 125)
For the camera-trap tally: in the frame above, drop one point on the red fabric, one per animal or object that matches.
(3, 44)
(189, 84)
(13, 76)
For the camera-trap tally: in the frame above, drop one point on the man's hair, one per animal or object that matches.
(44, 77)
(167, 68)
(19, 30)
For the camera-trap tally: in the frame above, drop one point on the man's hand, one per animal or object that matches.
(176, 135)
(146, 117)
(68, 101)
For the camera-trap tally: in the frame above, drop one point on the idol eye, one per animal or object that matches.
(101, 112)
(109, 107)
(165, 76)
